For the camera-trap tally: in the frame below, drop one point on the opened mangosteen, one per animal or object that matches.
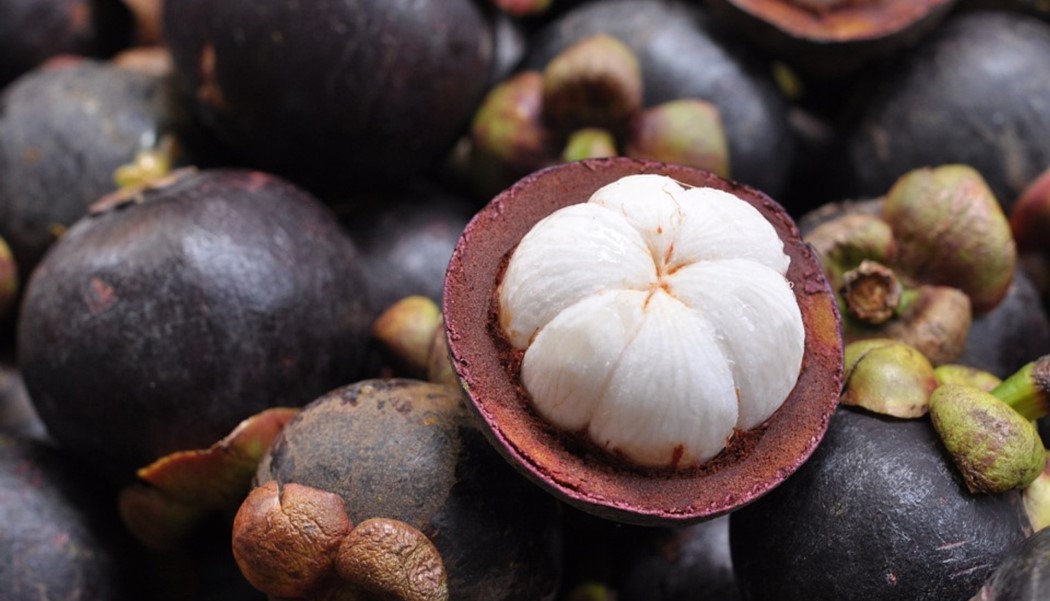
(64, 132)
(831, 38)
(330, 93)
(879, 512)
(169, 314)
(684, 53)
(969, 93)
(34, 30)
(648, 342)
(405, 457)
(59, 537)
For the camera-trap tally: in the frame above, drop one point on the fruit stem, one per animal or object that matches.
(1028, 389)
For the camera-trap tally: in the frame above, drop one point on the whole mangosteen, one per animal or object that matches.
(684, 53)
(406, 240)
(64, 131)
(676, 564)
(405, 451)
(648, 342)
(168, 315)
(34, 30)
(1023, 574)
(333, 93)
(973, 92)
(59, 539)
(878, 513)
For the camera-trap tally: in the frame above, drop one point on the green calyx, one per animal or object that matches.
(996, 448)
(8, 278)
(1026, 391)
(889, 377)
(951, 231)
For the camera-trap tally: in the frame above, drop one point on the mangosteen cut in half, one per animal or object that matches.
(749, 444)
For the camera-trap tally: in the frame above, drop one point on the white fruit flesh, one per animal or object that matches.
(655, 318)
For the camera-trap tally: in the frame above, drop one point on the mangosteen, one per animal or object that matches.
(59, 538)
(676, 564)
(607, 262)
(1002, 340)
(972, 92)
(684, 53)
(921, 263)
(831, 38)
(879, 512)
(64, 131)
(34, 30)
(1023, 574)
(587, 103)
(330, 93)
(17, 415)
(408, 452)
(406, 240)
(169, 314)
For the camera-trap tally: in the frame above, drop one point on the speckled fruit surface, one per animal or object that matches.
(585, 477)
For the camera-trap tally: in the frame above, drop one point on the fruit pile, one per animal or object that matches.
(558, 300)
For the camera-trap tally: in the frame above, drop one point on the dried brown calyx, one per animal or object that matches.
(297, 542)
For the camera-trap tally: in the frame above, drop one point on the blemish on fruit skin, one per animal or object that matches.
(100, 296)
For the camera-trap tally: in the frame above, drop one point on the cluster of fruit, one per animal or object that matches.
(564, 300)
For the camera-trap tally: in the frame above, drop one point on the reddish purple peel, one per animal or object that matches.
(753, 464)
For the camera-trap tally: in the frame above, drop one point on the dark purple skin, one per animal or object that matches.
(685, 53)
(157, 325)
(17, 415)
(63, 132)
(32, 31)
(878, 513)
(410, 451)
(680, 564)
(1024, 575)
(972, 92)
(1015, 332)
(406, 242)
(59, 531)
(333, 93)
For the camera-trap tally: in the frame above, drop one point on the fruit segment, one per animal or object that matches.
(655, 319)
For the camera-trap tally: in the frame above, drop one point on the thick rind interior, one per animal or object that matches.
(601, 485)
(851, 21)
